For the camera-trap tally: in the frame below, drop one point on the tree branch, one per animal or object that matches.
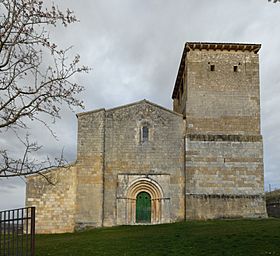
(31, 86)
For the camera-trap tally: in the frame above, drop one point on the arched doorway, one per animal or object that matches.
(154, 203)
(143, 208)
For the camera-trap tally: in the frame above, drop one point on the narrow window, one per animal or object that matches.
(145, 133)
(235, 68)
(212, 67)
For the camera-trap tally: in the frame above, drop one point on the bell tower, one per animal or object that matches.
(217, 88)
(217, 91)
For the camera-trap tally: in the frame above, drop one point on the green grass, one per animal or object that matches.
(219, 237)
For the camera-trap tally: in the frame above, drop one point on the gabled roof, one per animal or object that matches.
(210, 46)
(129, 105)
(90, 112)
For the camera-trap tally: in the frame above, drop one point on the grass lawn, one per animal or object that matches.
(217, 237)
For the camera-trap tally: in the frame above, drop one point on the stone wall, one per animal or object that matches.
(91, 193)
(222, 101)
(218, 93)
(54, 197)
(109, 144)
(90, 169)
(224, 177)
(202, 207)
(126, 154)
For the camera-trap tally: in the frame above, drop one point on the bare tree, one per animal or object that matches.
(274, 1)
(35, 77)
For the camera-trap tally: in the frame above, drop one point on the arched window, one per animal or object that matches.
(145, 133)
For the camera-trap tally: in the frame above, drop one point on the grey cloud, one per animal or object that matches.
(12, 193)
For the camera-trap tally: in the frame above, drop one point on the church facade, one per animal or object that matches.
(144, 164)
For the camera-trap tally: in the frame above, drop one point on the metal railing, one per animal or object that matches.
(17, 232)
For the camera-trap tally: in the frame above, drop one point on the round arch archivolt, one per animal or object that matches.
(156, 193)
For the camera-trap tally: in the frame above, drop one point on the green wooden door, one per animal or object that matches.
(143, 208)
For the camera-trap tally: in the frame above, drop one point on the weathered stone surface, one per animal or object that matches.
(126, 154)
(90, 169)
(203, 160)
(202, 207)
(220, 101)
(219, 97)
(55, 202)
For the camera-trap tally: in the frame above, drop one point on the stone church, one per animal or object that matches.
(144, 164)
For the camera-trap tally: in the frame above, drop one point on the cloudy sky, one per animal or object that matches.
(134, 48)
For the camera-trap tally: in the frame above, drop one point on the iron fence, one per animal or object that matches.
(17, 232)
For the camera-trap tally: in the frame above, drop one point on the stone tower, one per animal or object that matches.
(217, 91)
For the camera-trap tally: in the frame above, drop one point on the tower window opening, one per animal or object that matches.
(212, 67)
(235, 68)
